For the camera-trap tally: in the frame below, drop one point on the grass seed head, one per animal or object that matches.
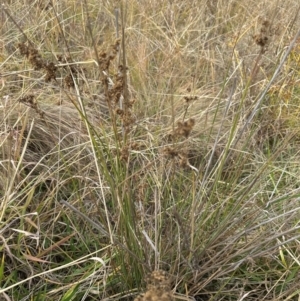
(184, 128)
(263, 37)
(158, 288)
(50, 69)
(36, 60)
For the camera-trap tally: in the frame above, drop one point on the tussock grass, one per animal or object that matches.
(149, 151)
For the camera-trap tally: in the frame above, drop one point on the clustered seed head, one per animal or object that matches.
(180, 157)
(104, 62)
(125, 150)
(125, 114)
(124, 153)
(262, 38)
(114, 92)
(136, 146)
(158, 288)
(189, 99)
(184, 128)
(105, 57)
(37, 61)
(50, 71)
(183, 160)
(170, 152)
(30, 101)
(128, 120)
(23, 49)
(68, 81)
(72, 70)
(120, 112)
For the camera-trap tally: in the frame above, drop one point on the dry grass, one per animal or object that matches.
(166, 145)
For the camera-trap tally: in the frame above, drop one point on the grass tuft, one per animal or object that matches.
(149, 150)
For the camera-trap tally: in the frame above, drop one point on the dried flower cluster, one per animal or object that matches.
(70, 69)
(30, 101)
(37, 61)
(182, 130)
(106, 57)
(115, 91)
(180, 157)
(262, 38)
(158, 288)
(189, 99)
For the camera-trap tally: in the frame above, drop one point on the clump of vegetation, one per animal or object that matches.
(158, 288)
(152, 139)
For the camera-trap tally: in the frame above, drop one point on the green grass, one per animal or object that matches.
(177, 178)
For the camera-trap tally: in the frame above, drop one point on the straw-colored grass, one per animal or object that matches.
(149, 150)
